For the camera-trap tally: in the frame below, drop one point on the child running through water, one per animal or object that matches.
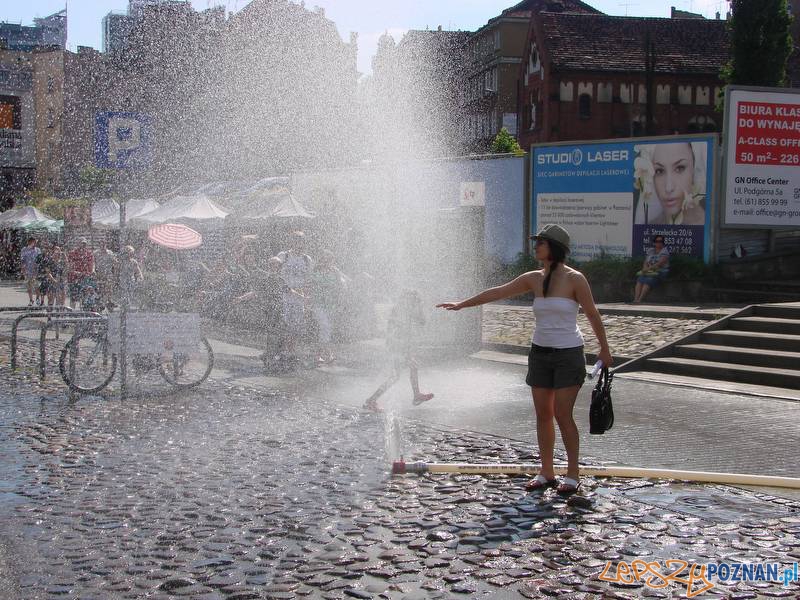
(405, 318)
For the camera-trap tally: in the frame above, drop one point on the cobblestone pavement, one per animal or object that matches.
(234, 492)
(628, 336)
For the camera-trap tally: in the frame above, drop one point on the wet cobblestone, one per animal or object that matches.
(628, 336)
(234, 492)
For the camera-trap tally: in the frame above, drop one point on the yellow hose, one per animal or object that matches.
(633, 472)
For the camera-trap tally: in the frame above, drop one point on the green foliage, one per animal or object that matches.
(54, 207)
(94, 181)
(607, 269)
(761, 42)
(505, 143)
(610, 269)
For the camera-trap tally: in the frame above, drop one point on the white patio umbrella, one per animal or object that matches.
(108, 212)
(183, 208)
(17, 218)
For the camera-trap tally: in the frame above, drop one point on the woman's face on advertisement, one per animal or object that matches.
(674, 173)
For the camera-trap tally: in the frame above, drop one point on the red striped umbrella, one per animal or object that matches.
(175, 236)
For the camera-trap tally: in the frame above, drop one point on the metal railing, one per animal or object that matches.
(48, 314)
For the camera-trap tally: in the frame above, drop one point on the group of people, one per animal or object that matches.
(293, 299)
(79, 277)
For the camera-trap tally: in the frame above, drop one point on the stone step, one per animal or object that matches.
(768, 376)
(757, 357)
(778, 311)
(791, 285)
(718, 385)
(750, 296)
(751, 339)
(767, 325)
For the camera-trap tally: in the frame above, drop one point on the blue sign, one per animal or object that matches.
(121, 140)
(613, 197)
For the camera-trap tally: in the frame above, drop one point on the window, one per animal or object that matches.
(604, 92)
(496, 39)
(51, 84)
(534, 64)
(10, 112)
(626, 93)
(565, 91)
(662, 94)
(684, 94)
(533, 116)
(584, 106)
(642, 94)
(703, 95)
(585, 88)
(51, 120)
(702, 124)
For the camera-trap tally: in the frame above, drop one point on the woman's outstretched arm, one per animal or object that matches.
(520, 285)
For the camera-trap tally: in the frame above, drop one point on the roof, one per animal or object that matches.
(587, 42)
(526, 9)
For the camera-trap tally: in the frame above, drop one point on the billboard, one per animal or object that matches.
(614, 196)
(121, 140)
(17, 120)
(761, 172)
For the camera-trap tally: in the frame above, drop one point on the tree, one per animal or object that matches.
(94, 182)
(761, 43)
(505, 143)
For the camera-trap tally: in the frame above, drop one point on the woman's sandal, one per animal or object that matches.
(420, 398)
(372, 405)
(568, 487)
(540, 483)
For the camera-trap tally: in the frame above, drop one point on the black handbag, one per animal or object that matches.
(601, 411)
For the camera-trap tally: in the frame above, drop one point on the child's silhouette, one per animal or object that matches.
(405, 318)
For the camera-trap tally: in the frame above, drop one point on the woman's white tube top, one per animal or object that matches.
(556, 323)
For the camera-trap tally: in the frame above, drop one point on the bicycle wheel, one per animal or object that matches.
(87, 364)
(187, 370)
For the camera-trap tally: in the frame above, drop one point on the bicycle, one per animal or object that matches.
(88, 361)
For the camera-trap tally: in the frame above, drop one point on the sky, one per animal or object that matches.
(370, 18)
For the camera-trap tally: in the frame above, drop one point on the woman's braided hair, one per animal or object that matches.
(558, 254)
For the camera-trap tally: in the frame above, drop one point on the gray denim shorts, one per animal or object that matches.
(555, 368)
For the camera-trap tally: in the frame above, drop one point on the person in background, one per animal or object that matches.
(58, 275)
(44, 276)
(28, 257)
(327, 284)
(402, 341)
(81, 268)
(295, 271)
(130, 274)
(105, 267)
(556, 362)
(655, 268)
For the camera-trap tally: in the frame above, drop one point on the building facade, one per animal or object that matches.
(591, 76)
(118, 26)
(415, 86)
(17, 125)
(45, 31)
(490, 81)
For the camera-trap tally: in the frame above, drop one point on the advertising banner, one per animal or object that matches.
(121, 140)
(761, 174)
(614, 196)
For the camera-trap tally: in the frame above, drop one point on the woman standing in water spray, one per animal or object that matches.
(556, 363)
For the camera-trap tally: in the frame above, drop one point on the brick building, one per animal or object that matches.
(490, 82)
(592, 77)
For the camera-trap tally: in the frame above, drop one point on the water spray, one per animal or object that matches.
(400, 467)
